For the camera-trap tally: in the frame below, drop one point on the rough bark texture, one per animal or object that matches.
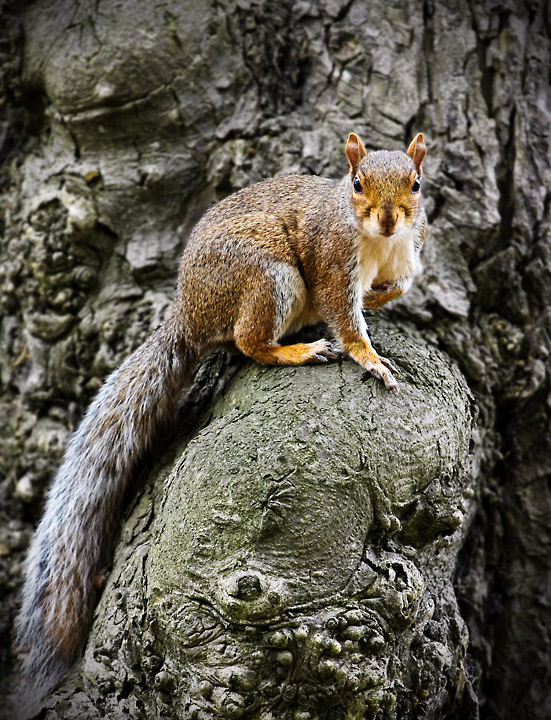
(294, 555)
(121, 122)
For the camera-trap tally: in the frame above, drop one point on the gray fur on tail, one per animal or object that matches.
(72, 545)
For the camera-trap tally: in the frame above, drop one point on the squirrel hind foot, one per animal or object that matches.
(271, 353)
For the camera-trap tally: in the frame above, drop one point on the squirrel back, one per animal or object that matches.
(265, 261)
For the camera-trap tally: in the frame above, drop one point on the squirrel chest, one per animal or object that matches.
(387, 260)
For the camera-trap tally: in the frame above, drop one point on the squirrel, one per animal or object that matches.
(262, 263)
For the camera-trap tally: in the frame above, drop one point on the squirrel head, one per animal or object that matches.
(385, 186)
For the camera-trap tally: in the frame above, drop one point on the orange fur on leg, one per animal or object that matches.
(320, 351)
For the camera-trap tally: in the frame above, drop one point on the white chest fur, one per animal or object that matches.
(392, 260)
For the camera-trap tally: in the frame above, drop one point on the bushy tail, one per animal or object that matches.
(72, 545)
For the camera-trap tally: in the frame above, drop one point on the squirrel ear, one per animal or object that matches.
(417, 151)
(355, 151)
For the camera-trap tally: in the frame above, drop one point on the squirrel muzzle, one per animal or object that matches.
(388, 218)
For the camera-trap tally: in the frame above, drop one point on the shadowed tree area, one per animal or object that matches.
(306, 545)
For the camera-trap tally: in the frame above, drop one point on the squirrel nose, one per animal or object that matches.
(387, 218)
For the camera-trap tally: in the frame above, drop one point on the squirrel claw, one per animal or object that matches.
(334, 352)
(389, 380)
(388, 364)
(326, 351)
(318, 358)
(379, 371)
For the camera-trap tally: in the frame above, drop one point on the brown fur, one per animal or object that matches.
(281, 254)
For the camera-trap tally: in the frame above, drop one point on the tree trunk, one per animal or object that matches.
(293, 555)
(425, 541)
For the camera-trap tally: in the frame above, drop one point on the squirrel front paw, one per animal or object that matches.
(382, 369)
(381, 294)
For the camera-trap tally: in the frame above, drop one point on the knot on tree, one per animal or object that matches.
(301, 550)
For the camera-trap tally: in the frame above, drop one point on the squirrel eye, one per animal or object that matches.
(416, 185)
(357, 185)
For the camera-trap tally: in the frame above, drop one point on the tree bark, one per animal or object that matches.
(121, 124)
(293, 555)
